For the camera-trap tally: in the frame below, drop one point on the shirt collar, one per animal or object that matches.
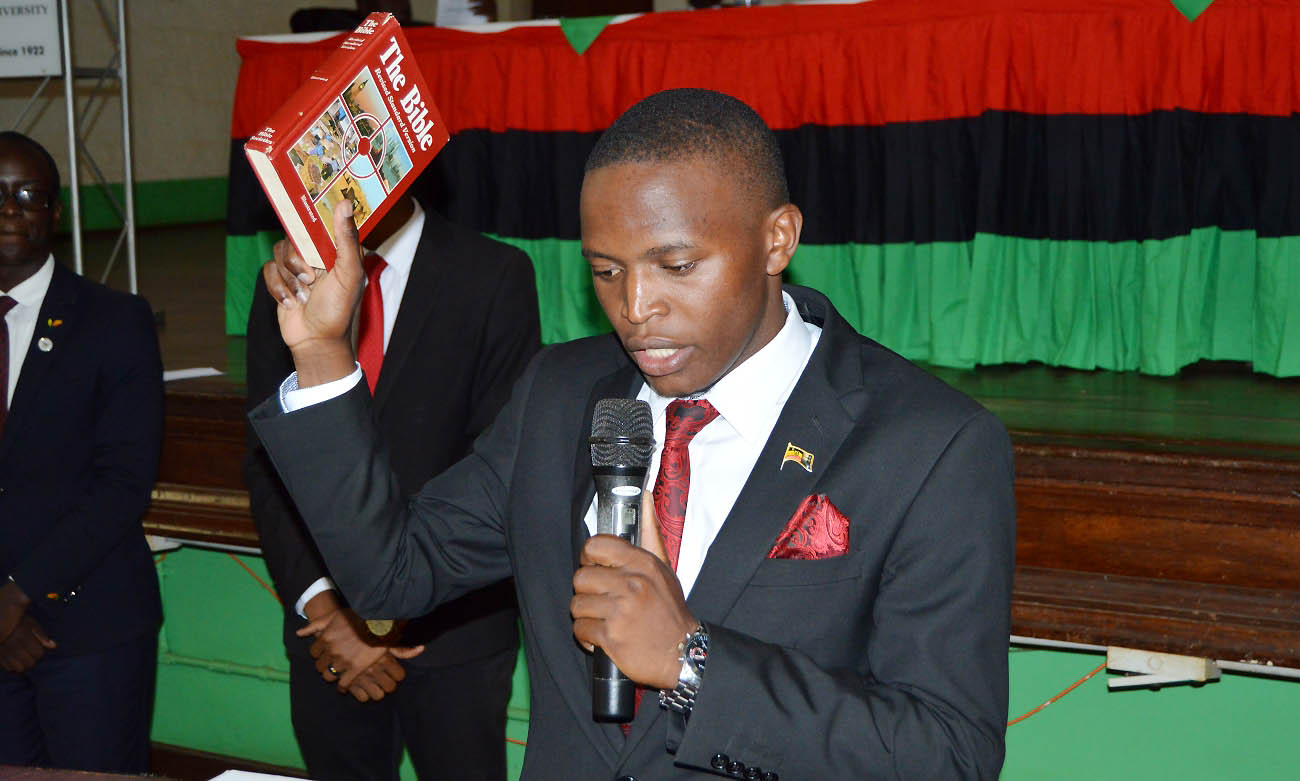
(748, 394)
(398, 250)
(31, 291)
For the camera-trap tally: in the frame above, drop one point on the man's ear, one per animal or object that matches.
(784, 224)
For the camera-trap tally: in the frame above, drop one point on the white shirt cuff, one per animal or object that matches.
(293, 398)
(321, 584)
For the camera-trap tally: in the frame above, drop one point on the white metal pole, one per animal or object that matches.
(128, 174)
(69, 100)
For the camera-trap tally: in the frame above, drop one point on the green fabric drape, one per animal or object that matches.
(1152, 306)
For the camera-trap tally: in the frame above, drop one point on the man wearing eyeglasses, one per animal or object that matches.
(80, 433)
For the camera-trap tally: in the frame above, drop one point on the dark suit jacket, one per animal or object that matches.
(78, 459)
(467, 327)
(889, 661)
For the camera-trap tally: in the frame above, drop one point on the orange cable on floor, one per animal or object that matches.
(1068, 689)
(517, 742)
(269, 590)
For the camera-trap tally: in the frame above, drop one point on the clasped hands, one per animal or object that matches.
(628, 601)
(23, 641)
(346, 653)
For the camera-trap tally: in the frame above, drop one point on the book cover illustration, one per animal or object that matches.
(352, 151)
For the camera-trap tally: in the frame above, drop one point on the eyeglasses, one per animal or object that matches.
(29, 198)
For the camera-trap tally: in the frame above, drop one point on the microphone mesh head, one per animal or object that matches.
(622, 433)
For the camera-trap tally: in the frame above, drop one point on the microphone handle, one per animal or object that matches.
(618, 512)
(613, 694)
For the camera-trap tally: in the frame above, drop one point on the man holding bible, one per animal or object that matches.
(831, 595)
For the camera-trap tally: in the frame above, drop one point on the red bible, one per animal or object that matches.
(362, 128)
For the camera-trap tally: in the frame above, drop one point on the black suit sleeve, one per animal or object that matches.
(291, 557)
(127, 441)
(444, 542)
(929, 699)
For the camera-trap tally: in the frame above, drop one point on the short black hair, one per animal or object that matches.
(13, 136)
(680, 123)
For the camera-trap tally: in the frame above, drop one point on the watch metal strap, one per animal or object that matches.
(681, 698)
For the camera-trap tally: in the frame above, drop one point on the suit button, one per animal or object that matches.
(735, 767)
(754, 774)
(627, 778)
(719, 761)
(770, 776)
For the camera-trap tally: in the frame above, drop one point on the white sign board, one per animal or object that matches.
(29, 38)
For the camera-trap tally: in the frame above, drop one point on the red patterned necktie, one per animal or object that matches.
(370, 327)
(684, 421)
(6, 303)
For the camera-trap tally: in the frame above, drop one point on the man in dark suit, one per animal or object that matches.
(80, 435)
(841, 525)
(459, 319)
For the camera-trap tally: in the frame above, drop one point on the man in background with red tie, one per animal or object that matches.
(80, 434)
(448, 320)
(838, 605)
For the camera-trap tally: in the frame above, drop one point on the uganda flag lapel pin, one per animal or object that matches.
(798, 455)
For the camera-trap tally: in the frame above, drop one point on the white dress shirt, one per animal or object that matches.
(398, 252)
(21, 320)
(748, 399)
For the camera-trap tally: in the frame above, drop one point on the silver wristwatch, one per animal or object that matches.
(693, 656)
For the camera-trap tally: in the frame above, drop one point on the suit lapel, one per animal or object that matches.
(56, 322)
(421, 284)
(819, 415)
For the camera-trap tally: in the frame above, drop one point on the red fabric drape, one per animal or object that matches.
(869, 64)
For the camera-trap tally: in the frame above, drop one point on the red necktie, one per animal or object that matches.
(684, 421)
(370, 327)
(673, 486)
(6, 303)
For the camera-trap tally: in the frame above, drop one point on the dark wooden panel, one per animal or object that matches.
(187, 764)
(204, 440)
(1247, 469)
(199, 514)
(1257, 626)
(1207, 536)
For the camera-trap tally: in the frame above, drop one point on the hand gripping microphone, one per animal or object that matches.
(622, 441)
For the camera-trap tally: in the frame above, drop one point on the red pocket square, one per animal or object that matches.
(818, 530)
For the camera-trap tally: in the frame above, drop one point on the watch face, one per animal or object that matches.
(697, 653)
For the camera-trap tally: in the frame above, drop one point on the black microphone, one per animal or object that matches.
(622, 441)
